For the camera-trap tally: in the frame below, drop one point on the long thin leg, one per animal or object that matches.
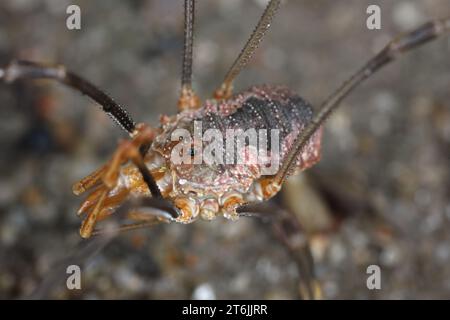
(141, 134)
(30, 70)
(128, 227)
(249, 49)
(288, 231)
(79, 255)
(393, 50)
(188, 99)
(87, 249)
(146, 212)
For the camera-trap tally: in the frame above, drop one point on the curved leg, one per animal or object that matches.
(143, 213)
(17, 70)
(86, 249)
(288, 231)
(394, 49)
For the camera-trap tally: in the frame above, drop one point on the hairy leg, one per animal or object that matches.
(22, 70)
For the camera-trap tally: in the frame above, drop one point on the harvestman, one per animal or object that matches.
(141, 168)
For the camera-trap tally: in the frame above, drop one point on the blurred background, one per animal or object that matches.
(380, 195)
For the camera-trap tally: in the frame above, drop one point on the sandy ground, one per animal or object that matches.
(379, 196)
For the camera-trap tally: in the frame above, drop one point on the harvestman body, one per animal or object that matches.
(142, 167)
